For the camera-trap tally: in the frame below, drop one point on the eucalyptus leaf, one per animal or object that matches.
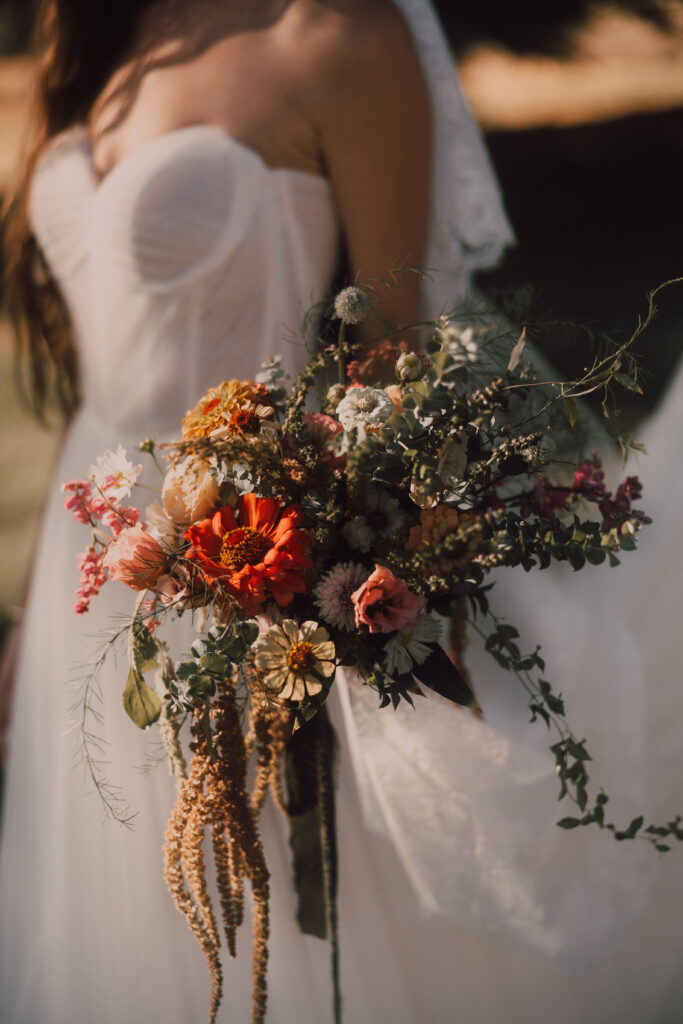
(141, 703)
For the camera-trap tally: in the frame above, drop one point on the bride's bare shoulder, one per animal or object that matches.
(345, 34)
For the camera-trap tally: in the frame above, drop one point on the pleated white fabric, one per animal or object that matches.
(186, 265)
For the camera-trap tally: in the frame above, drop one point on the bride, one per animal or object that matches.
(202, 172)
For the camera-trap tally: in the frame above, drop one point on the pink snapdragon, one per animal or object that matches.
(93, 577)
(119, 519)
(545, 499)
(589, 478)
(85, 506)
(618, 509)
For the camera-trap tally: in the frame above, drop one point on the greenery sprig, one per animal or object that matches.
(570, 753)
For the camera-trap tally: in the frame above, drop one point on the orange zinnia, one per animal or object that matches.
(254, 555)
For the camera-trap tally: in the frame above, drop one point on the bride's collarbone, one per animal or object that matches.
(270, 86)
(246, 91)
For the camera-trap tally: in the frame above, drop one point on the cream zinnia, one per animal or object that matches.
(291, 658)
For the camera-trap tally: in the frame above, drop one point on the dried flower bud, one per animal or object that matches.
(409, 366)
(335, 394)
(351, 305)
(148, 445)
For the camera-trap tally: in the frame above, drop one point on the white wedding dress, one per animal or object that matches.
(459, 898)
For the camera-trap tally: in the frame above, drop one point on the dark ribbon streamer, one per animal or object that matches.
(310, 777)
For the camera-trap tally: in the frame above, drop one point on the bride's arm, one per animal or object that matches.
(374, 117)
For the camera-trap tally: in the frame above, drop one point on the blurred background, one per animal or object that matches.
(582, 107)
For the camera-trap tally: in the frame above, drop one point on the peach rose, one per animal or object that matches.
(190, 491)
(384, 603)
(135, 558)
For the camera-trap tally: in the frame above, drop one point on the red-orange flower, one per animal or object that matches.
(255, 554)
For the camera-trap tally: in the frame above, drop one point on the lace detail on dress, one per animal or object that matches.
(469, 228)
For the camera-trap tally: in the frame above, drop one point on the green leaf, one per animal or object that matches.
(141, 703)
(516, 354)
(556, 704)
(572, 411)
(628, 382)
(596, 556)
(569, 822)
(440, 674)
(143, 650)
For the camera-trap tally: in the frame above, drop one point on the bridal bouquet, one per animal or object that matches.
(337, 522)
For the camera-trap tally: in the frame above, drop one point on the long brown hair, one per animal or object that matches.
(80, 44)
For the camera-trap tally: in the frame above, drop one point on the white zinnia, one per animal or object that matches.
(115, 464)
(364, 407)
(333, 593)
(411, 646)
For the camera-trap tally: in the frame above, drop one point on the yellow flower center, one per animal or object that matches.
(246, 421)
(301, 657)
(243, 546)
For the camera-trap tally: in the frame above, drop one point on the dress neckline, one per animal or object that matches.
(79, 133)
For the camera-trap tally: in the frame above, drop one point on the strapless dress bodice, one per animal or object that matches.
(192, 261)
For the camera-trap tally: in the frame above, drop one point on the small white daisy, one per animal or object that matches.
(333, 593)
(114, 474)
(410, 646)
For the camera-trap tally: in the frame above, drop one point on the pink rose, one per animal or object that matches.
(384, 603)
(135, 558)
(322, 431)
